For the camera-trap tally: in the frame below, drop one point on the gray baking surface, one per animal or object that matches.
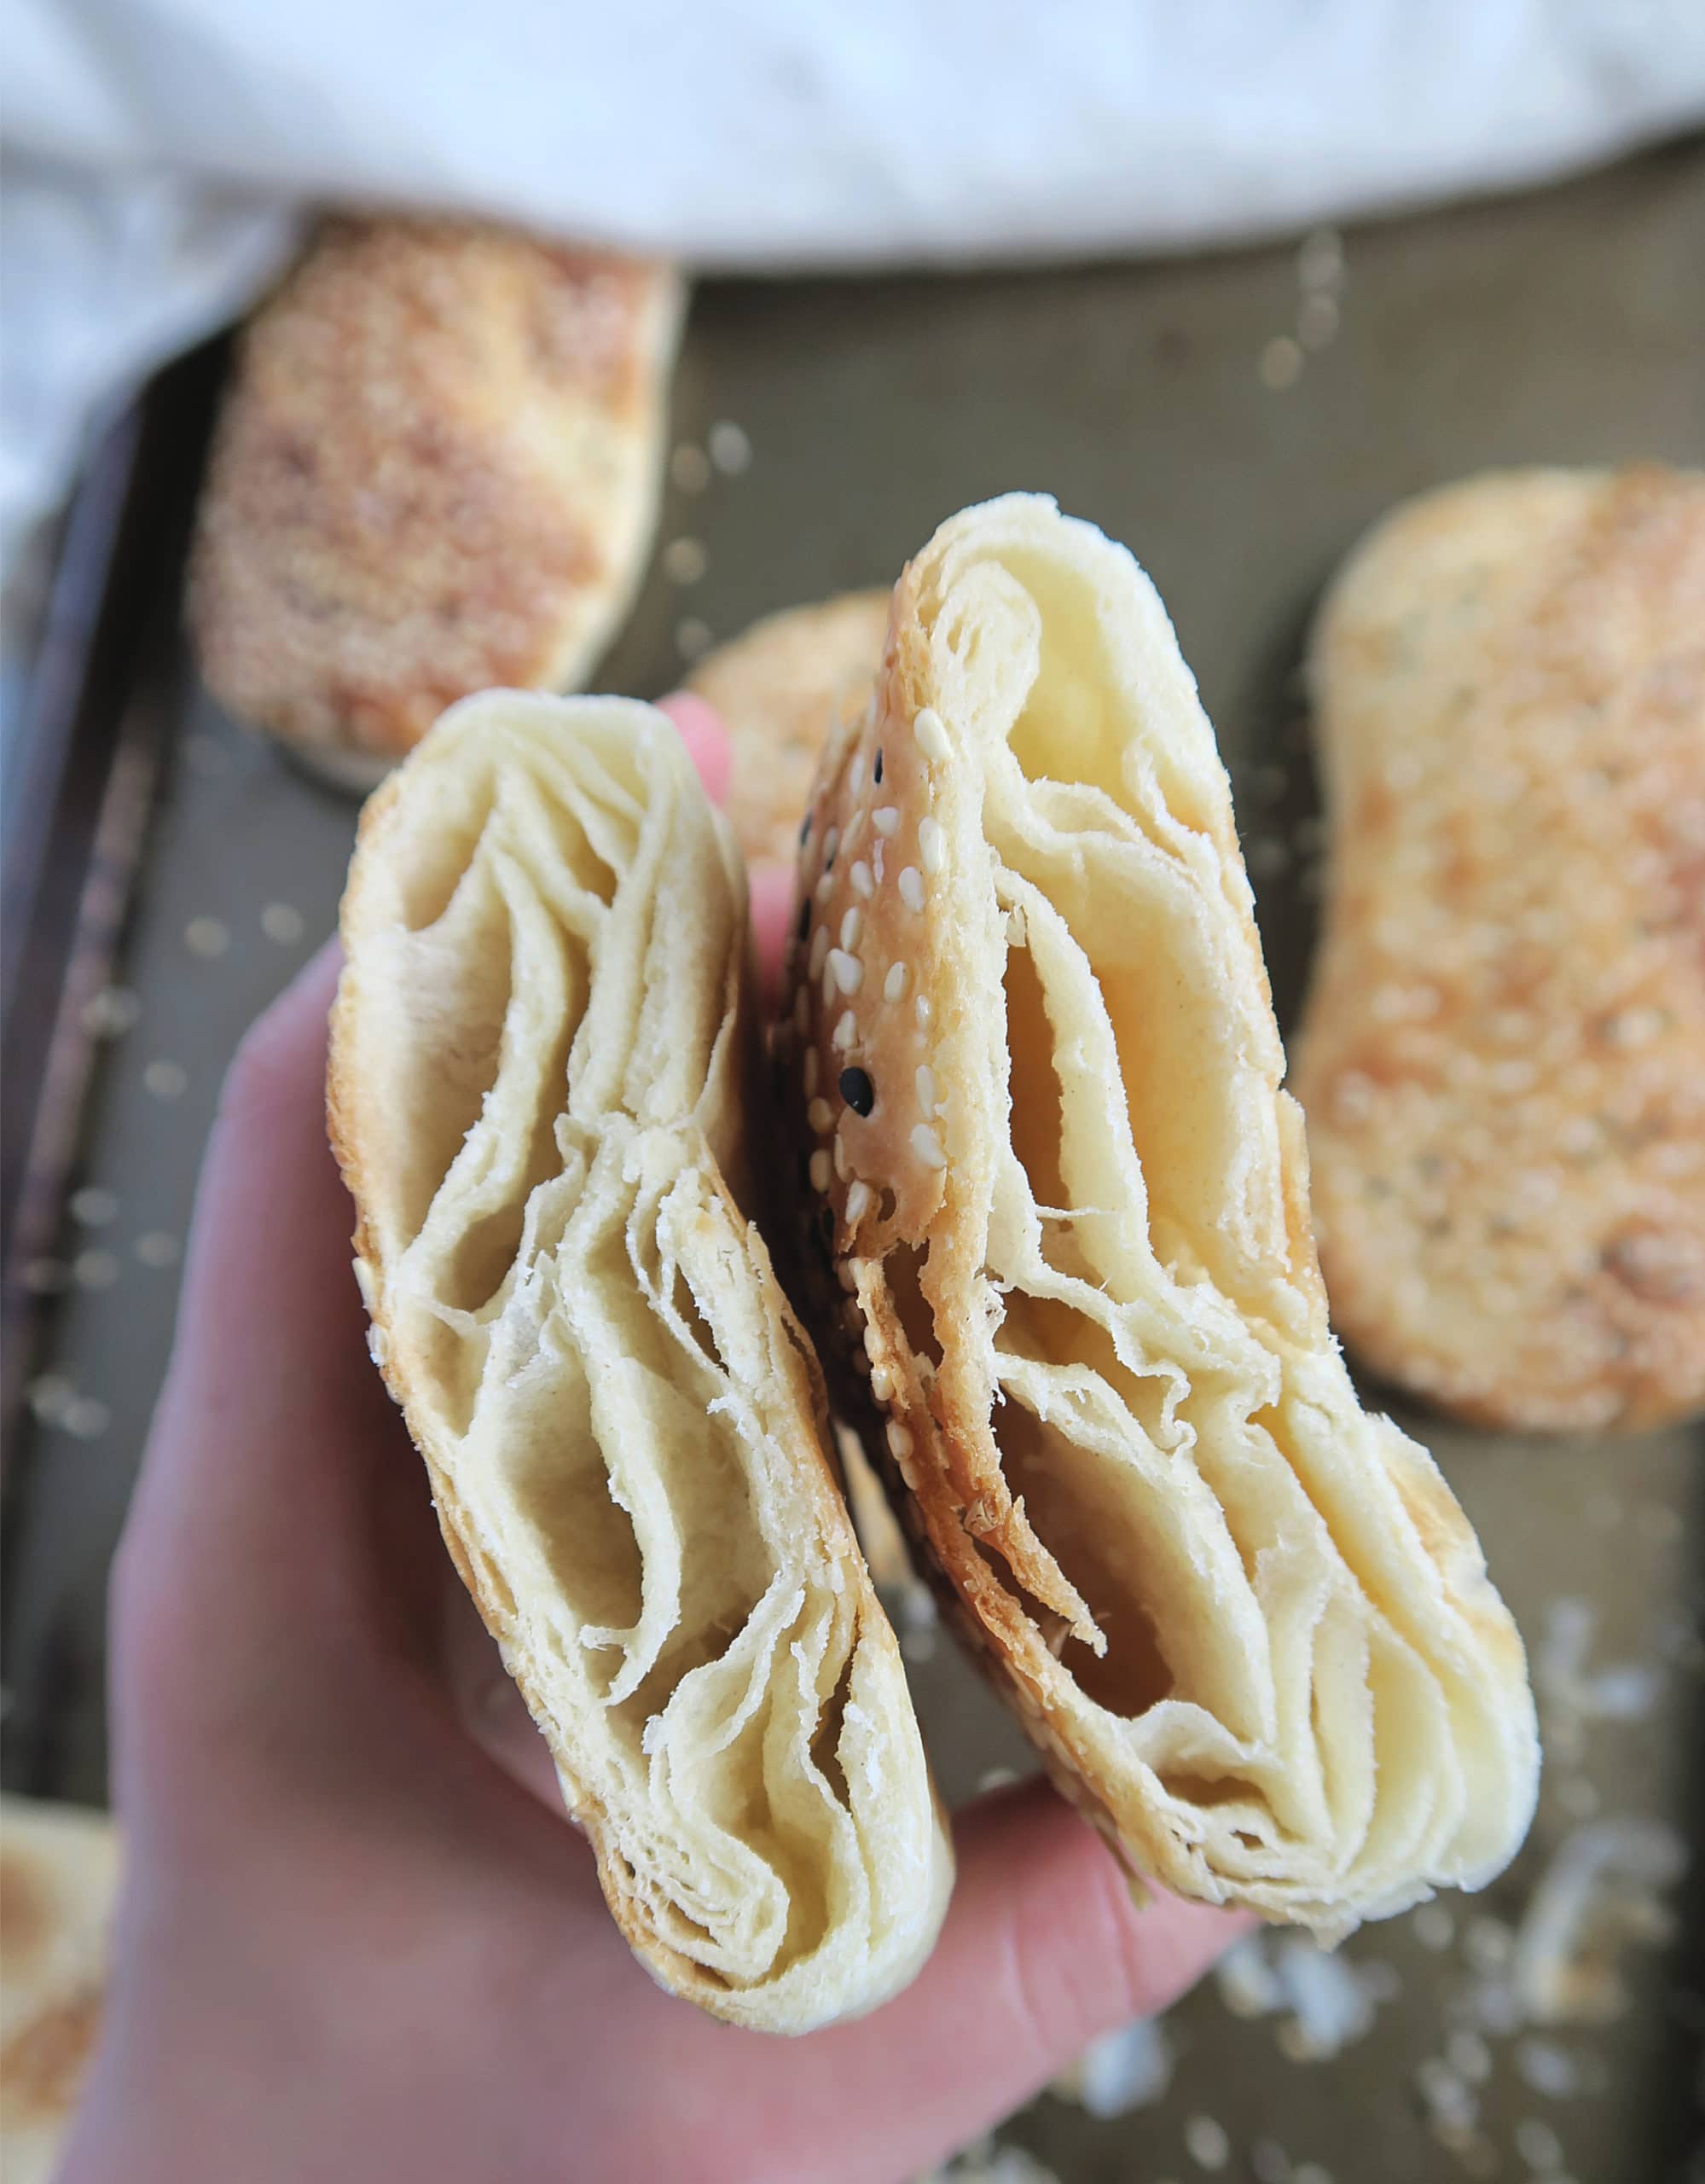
(1175, 405)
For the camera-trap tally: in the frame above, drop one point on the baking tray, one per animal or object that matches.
(1236, 420)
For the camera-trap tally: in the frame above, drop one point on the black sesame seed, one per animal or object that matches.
(857, 1090)
(804, 830)
(804, 926)
(877, 774)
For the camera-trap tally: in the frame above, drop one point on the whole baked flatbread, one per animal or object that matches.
(59, 1876)
(781, 687)
(1503, 1060)
(537, 1093)
(1029, 1045)
(438, 468)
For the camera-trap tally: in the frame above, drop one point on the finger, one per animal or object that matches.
(706, 740)
(281, 1515)
(771, 887)
(1044, 1950)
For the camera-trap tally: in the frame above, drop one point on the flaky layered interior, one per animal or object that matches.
(536, 1087)
(1247, 1617)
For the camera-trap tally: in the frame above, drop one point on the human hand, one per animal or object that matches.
(358, 1936)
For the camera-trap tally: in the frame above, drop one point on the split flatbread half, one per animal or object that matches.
(1503, 1059)
(1030, 1052)
(59, 1878)
(536, 1091)
(781, 687)
(438, 468)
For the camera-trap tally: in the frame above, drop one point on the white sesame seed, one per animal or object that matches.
(685, 560)
(692, 637)
(157, 1248)
(820, 1115)
(854, 828)
(690, 468)
(50, 1395)
(930, 845)
(899, 1440)
(832, 842)
(886, 819)
(95, 1269)
(845, 1276)
(810, 1070)
(1018, 932)
(1317, 321)
(848, 970)
(165, 1080)
(824, 888)
(859, 1200)
(912, 888)
(881, 1380)
(1281, 361)
(1538, 2144)
(928, 1147)
(113, 1010)
(851, 926)
(924, 1011)
(93, 1207)
(840, 1156)
(85, 1418)
(1208, 2143)
(1320, 258)
(820, 1171)
(282, 922)
(207, 937)
(855, 778)
(932, 739)
(845, 1033)
(925, 1082)
(730, 449)
(894, 985)
(820, 948)
(862, 883)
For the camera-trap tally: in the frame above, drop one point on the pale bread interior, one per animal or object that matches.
(537, 1089)
(1247, 1618)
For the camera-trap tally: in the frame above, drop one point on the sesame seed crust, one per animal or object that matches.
(982, 1310)
(1503, 1060)
(437, 470)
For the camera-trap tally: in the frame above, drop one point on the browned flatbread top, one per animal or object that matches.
(781, 687)
(1028, 1055)
(58, 1868)
(1503, 1061)
(437, 470)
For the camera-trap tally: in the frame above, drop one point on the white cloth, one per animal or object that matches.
(763, 134)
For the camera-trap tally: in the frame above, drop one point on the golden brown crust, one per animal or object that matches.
(1058, 1247)
(1503, 1060)
(536, 1092)
(436, 471)
(781, 687)
(58, 1877)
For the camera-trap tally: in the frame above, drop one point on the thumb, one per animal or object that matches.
(1043, 1950)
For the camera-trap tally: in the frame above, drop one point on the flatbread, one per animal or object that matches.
(781, 687)
(538, 1094)
(1245, 1622)
(1503, 1060)
(59, 1876)
(438, 468)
